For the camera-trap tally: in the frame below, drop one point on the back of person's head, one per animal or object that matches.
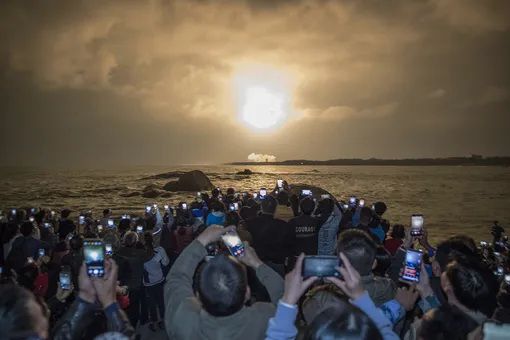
(472, 284)
(320, 298)
(246, 213)
(111, 238)
(365, 215)
(232, 219)
(124, 225)
(90, 234)
(27, 276)
(130, 239)
(359, 248)
(349, 324)
(283, 198)
(231, 192)
(326, 206)
(446, 323)
(398, 231)
(106, 212)
(383, 257)
(11, 230)
(21, 215)
(447, 250)
(218, 206)
(222, 286)
(307, 205)
(149, 239)
(215, 193)
(21, 317)
(380, 208)
(76, 242)
(466, 240)
(268, 205)
(27, 229)
(65, 213)
(251, 202)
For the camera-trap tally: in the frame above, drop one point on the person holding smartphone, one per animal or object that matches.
(217, 216)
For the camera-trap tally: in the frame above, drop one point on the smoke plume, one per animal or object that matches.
(261, 158)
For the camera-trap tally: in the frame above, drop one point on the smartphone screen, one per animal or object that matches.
(108, 249)
(325, 196)
(346, 206)
(155, 205)
(1, 271)
(166, 206)
(65, 280)
(262, 193)
(416, 225)
(280, 183)
(148, 209)
(32, 211)
(233, 243)
(231, 207)
(47, 225)
(82, 220)
(320, 266)
(255, 195)
(31, 219)
(41, 252)
(412, 266)
(361, 202)
(93, 254)
(111, 224)
(306, 192)
(236, 206)
(199, 194)
(13, 211)
(100, 227)
(184, 206)
(139, 229)
(352, 201)
(507, 279)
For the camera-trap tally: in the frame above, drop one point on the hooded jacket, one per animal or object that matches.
(216, 217)
(380, 289)
(328, 233)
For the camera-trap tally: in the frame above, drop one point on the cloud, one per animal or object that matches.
(261, 158)
(439, 93)
(494, 94)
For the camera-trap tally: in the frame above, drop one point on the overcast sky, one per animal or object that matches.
(100, 82)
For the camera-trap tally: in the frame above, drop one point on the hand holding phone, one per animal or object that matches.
(65, 279)
(416, 225)
(93, 254)
(352, 201)
(320, 266)
(262, 193)
(361, 202)
(412, 266)
(233, 243)
(41, 252)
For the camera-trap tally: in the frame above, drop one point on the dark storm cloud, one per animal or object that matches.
(149, 81)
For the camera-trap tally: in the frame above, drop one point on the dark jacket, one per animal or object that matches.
(272, 238)
(305, 231)
(30, 244)
(65, 227)
(130, 261)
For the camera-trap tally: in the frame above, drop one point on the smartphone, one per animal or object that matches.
(236, 195)
(262, 193)
(306, 192)
(352, 201)
(47, 225)
(483, 244)
(325, 196)
(501, 271)
(373, 207)
(65, 279)
(166, 207)
(82, 219)
(199, 194)
(346, 206)
(108, 249)
(93, 255)
(279, 183)
(495, 331)
(361, 202)
(123, 216)
(32, 211)
(236, 206)
(321, 266)
(184, 206)
(13, 212)
(155, 205)
(139, 229)
(52, 213)
(148, 209)
(412, 266)
(219, 189)
(507, 279)
(31, 219)
(233, 243)
(231, 207)
(111, 224)
(41, 252)
(416, 225)
(100, 228)
(255, 195)
(30, 259)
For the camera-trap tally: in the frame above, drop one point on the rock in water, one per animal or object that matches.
(317, 191)
(245, 172)
(194, 180)
(151, 193)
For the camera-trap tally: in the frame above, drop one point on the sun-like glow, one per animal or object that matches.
(262, 96)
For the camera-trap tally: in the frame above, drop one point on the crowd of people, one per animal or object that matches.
(170, 269)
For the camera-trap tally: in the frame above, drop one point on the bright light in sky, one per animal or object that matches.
(262, 96)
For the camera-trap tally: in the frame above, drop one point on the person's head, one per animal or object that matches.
(496, 222)
(218, 206)
(232, 219)
(65, 213)
(12, 229)
(246, 213)
(383, 261)
(283, 198)
(320, 298)
(106, 212)
(215, 193)
(307, 205)
(111, 238)
(27, 276)
(124, 225)
(76, 242)
(223, 286)
(359, 248)
(348, 323)
(130, 239)
(467, 282)
(365, 215)
(27, 229)
(448, 249)
(148, 240)
(251, 203)
(466, 240)
(326, 206)
(398, 231)
(230, 192)
(446, 323)
(21, 316)
(268, 205)
(380, 208)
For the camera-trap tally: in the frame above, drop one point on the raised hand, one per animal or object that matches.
(295, 286)
(350, 283)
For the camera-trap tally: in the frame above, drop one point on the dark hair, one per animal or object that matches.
(27, 229)
(124, 226)
(230, 192)
(380, 208)
(215, 193)
(218, 206)
(232, 219)
(307, 205)
(450, 248)
(130, 239)
(269, 205)
(474, 285)
(246, 213)
(466, 240)
(283, 198)
(76, 242)
(348, 324)
(251, 203)
(446, 323)
(149, 241)
(365, 215)
(16, 321)
(383, 257)
(359, 248)
(27, 275)
(11, 230)
(398, 231)
(222, 286)
(106, 212)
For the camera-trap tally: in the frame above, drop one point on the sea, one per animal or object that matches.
(453, 200)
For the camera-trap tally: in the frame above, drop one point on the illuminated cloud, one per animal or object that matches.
(261, 158)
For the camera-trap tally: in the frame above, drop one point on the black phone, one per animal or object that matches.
(93, 254)
(412, 266)
(41, 252)
(321, 266)
(65, 278)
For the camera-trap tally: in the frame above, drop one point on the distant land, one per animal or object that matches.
(474, 160)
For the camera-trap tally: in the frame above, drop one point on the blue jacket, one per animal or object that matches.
(328, 232)
(216, 217)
